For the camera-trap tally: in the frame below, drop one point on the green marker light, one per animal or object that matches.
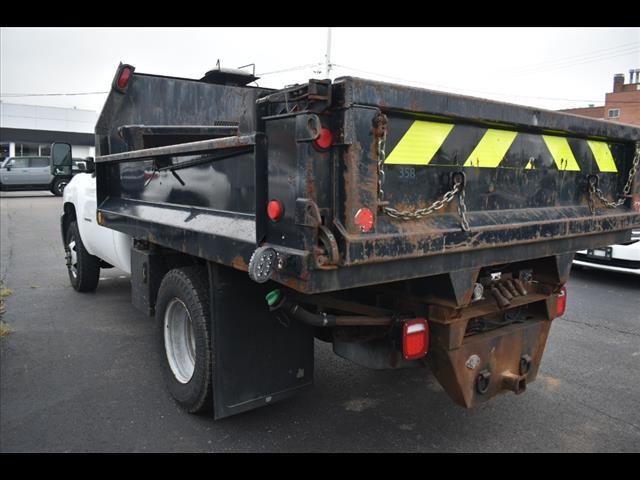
(273, 297)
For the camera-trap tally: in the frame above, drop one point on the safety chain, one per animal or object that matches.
(458, 189)
(593, 190)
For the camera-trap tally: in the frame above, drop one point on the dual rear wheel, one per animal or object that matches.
(182, 323)
(184, 339)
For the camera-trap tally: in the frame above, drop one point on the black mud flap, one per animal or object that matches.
(258, 358)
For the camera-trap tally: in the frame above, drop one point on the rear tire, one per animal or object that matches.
(184, 339)
(57, 188)
(83, 268)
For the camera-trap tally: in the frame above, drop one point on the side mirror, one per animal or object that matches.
(61, 159)
(90, 165)
(8, 167)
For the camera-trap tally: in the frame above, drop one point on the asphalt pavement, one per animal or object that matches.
(80, 373)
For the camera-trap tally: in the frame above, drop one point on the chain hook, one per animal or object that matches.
(594, 190)
(457, 178)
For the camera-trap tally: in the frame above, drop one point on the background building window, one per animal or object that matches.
(4, 151)
(613, 113)
(27, 149)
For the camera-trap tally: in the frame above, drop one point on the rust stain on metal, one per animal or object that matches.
(295, 284)
(239, 263)
(353, 184)
(500, 354)
(310, 181)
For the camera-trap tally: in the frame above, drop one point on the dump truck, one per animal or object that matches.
(408, 228)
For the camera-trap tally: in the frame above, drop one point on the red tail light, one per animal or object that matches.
(415, 338)
(325, 140)
(635, 203)
(364, 219)
(124, 76)
(274, 210)
(561, 303)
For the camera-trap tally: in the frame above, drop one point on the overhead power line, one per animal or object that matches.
(12, 95)
(449, 88)
(299, 67)
(398, 79)
(573, 58)
(598, 58)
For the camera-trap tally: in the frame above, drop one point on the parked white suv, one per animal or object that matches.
(624, 257)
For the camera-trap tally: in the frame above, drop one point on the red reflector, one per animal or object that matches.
(635, 203)
(415, 338)
(274, 210)
(325, 139)
(123, 79)
(561, 303)
(364, 219)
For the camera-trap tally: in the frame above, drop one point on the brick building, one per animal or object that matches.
(620, 105)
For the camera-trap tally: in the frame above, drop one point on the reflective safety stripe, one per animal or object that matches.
(427, 143)
(491, 149)
(419, 145)
(561, 153)
(603, 156)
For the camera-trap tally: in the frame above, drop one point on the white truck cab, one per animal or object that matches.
(88, 245)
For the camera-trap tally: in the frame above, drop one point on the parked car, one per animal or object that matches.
(622, 257)
(35, 173)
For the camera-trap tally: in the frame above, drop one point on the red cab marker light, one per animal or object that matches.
(325, 140)
(415, 338)
(364, 219)
(124, 76)
(274, 210)
(561, 302)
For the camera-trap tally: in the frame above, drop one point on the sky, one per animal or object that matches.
(550, 68)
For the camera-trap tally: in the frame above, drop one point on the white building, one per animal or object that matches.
(31, 129)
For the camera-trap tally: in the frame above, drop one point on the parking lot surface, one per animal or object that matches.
(80, 372)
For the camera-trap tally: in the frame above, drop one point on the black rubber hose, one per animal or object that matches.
(304, 316)
(325, 319)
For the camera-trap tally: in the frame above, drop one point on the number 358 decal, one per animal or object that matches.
(407, 172)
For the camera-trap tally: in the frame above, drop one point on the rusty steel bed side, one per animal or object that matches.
(324, 188)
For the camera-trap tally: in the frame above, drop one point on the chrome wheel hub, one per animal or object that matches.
(179, 340)
(72, 257)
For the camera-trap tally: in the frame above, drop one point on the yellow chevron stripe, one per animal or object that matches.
(419, 144)
(603, 156)
(561, 153)
(491, 149)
